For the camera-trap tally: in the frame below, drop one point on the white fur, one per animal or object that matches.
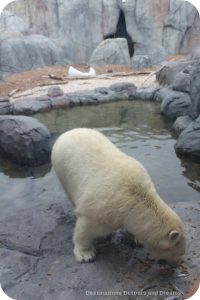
(110, 190)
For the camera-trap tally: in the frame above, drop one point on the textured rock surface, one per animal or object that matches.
(82, 24)
(166, 75)
(145, 57)
(181, 124)
(148, 94)
(23, 54)
(111, 51)
(55, 91)
(175, 104)
(188, 143)
(178, 23)
(5, 107)
(182, 82)
(195, 89)
(12, 25)
(29, 106)
(24, 140)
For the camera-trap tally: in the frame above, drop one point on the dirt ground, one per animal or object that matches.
(38, 78)
(41, 77)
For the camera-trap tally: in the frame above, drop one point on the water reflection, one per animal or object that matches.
(135, 127)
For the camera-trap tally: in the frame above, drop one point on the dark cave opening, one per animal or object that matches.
(121, 32)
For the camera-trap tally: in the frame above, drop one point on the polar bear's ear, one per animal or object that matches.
(174, 235)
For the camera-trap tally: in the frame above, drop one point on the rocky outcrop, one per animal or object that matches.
(145, 57)
(168, 72)
(12, 25)
(195, 88)
(31, 105)
(23, 54)
(80, 26)
(180, 102)
(175, 104)
(24, 140)
(5, 107)
(188, 143)
(111, 51)
(181, 124)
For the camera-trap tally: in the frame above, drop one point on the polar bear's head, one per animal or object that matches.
(169, 246)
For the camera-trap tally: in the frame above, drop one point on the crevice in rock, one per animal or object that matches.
(121, 32)
(9, 245)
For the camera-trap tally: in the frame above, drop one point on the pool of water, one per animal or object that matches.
(137, 128)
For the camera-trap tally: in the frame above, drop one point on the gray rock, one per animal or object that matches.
(111, 51)
(24, 54)
(60, 102)
(182, 82)
(123, 91)
(12, 25)
(171, 23)
(29, 106)
(175, 104)
(84, 97)
(4, 99)
(24, 140)
(161, 93)
(116, 92)
(110, 14)
(188, 143)
(122, 86)
(146, 57)
(195, 89)
(181, 124)
(83, 34)
(102, 90)
(147, 94)
(5, 107)
(195, 54)
(141, 61)
(180, 18)
(169, 70)
(55, 91)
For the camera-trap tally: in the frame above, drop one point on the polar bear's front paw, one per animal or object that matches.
(84, 255)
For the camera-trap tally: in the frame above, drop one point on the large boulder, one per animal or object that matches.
(26, 53)
(182, 82)
(195, 89)
(146, 57)
(174, 104)
(168, 72)
(181, 124)
(31, 105)
(24, 140)
(188, 143)
(111, 51)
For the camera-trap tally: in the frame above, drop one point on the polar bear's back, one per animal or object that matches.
(86, 159)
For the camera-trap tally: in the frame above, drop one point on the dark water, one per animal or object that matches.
(137, 128)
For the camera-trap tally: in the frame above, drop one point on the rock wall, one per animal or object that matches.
(161, 27)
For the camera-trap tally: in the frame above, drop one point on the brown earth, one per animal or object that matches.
(24, 81)
(40, 77)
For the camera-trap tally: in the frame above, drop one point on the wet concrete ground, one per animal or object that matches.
(36, 225)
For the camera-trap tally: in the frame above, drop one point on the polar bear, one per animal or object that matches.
(110, 190)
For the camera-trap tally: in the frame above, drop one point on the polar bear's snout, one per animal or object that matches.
(110, 190)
